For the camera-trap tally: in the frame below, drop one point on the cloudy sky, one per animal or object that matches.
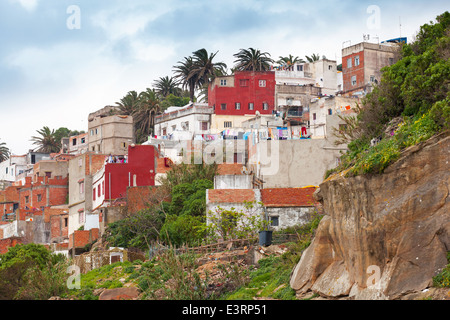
(63, 59)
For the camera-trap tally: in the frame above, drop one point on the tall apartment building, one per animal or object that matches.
(362, 64)
(109, 134)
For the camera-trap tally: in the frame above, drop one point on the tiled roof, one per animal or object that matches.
(231, 195)
(288, 197)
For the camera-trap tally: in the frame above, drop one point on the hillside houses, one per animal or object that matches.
(270, 132)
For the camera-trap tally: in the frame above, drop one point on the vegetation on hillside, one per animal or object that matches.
(31, 272)
(414, 92)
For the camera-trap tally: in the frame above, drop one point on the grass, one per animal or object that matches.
(372, 160)
(442, 280)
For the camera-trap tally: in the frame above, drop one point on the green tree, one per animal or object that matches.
(129, 103)
(184, 74)
(46, 141)
(312, 58)
(165, 86)
(24, 266)
(144, 115)
(252, 60)
(4, 152)
(290, 60)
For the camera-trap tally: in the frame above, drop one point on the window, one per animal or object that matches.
(349, 62)
(48, 174)
(83, 140)
(66, 222)
(243, 82)
(262, 83)
(330, 112)
(372, 78)
(7, 170)
(74, 142)
(99, 190)
(265, 106)
(274, 221)
(92, 132)
(330, 67)
(251, 106)
(391, 61)
(204, 125)
(237, 106)
(81, 187)
(314, 116)
(93, 194)
(356, 61)
(39, 197)
(124, 145)
(299, 67)
(223, 82)
(103, 187)
(353, 80)
(81, 217)
(227, 124)
(223, 106)
(27, 199)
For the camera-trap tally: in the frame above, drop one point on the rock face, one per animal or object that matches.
(383, 235)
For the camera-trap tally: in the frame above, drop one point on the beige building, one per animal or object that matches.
(81, 171)
(110, 134)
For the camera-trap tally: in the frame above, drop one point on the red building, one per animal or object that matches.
(139, 170)
(243, 93)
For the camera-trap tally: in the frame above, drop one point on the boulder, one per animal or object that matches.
(125, 293)
(384, 235)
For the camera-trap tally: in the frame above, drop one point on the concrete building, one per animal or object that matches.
(362, 64)
(109, 134)
(81, 171)
(184, 123)
(75, 144)
(292, 162)
(281, 207)
(326, 110)
(243, 93)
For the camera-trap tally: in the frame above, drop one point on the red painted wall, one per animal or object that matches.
(357, 71)
(218, 95)
(141, 162)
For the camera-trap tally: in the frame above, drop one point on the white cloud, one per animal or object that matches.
(29, 5)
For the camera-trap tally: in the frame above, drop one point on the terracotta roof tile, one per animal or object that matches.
(231, 195)
(288, 197)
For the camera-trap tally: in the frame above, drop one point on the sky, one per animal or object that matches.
(63, 59)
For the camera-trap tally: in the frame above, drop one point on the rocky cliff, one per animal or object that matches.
(383, 235)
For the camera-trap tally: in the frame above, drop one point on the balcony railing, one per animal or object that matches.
(184, 112)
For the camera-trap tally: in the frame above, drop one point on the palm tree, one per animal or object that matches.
(252, 60)
(290, 60)
(165, 86)
(4, 152)
(183, 72)
(313, 57)
(205, 70)
(128, 103)
(46, 142)
(144, 115)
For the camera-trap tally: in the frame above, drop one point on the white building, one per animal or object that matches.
(184, 123)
